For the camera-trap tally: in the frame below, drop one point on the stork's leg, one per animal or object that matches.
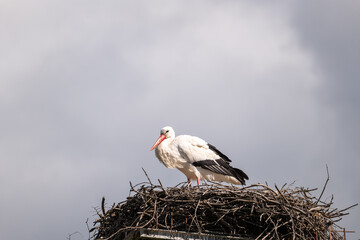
(198, 181)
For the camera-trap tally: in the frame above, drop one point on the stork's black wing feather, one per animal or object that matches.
(221, 167)
(216, 166)
(223, 156)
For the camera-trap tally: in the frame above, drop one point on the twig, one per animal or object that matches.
(147, 175)
(103, 206)
(70, 234)
(88, 228)
(162, 187)
(327, 180)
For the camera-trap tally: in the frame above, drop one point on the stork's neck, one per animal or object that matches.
(165, 144)
(163, 153)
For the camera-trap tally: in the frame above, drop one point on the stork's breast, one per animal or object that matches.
(165, 158)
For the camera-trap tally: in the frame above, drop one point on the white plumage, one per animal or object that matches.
(195, 158)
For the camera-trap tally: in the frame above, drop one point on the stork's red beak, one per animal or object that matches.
(160, 139)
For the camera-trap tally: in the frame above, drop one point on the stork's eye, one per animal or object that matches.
(167, 131)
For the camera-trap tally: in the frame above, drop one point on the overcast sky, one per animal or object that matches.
(86, 86)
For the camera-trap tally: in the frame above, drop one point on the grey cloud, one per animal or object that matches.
(332, 34)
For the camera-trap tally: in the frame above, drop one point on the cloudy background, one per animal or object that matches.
(85, 87)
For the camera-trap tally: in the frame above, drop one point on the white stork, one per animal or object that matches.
(195, 158)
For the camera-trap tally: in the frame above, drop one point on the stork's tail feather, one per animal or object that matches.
(240, 175)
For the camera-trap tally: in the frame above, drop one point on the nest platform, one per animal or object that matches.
(252, 212)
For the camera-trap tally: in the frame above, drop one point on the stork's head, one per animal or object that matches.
(166, 132)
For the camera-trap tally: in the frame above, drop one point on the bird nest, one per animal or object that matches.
(255, 212)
